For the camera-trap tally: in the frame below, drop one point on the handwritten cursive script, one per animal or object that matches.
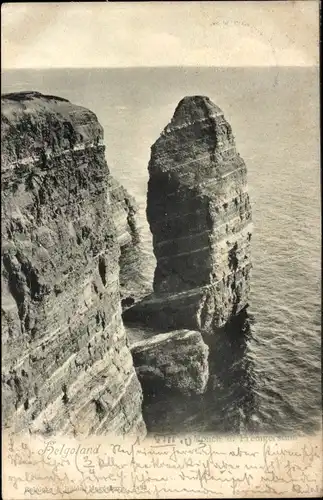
(161, 467)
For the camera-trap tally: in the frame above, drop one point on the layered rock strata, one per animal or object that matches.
(66, 364)
(133, 284)
(199, 213)
(174, 361)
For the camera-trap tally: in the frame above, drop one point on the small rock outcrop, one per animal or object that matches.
(133, 284)
(175, 361)
(199, 214)
(66, 363)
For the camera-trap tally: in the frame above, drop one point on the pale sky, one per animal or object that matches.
(54, 35)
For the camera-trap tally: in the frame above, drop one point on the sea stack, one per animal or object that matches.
(199, 214)
(67, 366)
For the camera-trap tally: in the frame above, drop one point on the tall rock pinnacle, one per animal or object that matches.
(200, 216)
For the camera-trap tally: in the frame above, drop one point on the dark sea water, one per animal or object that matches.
(269, 379)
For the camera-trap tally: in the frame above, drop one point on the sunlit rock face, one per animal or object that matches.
(199, 214)
(133, 283)
(67, 366)
(175, 361)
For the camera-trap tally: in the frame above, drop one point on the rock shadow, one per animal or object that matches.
(228, 404)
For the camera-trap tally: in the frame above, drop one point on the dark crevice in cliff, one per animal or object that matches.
(127, 302)
(233, 259)
(36, 290)
(99, 408)
(18, 389)
(65, 398)
(102, 270)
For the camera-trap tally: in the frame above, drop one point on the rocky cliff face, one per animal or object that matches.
(71, 257)
(199, 214)
(66, 362)
(175, 361)
(133, 284)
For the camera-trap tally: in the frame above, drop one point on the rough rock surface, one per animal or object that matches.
(200, 216)
(177, 361)
(66, 364)
(133, 284)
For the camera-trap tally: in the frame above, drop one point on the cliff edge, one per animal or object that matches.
(133, 283)
(67, 366)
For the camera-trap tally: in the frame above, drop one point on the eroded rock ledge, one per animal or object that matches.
(175, 361)
(67, 366)
(199, 213)
(133, 283)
